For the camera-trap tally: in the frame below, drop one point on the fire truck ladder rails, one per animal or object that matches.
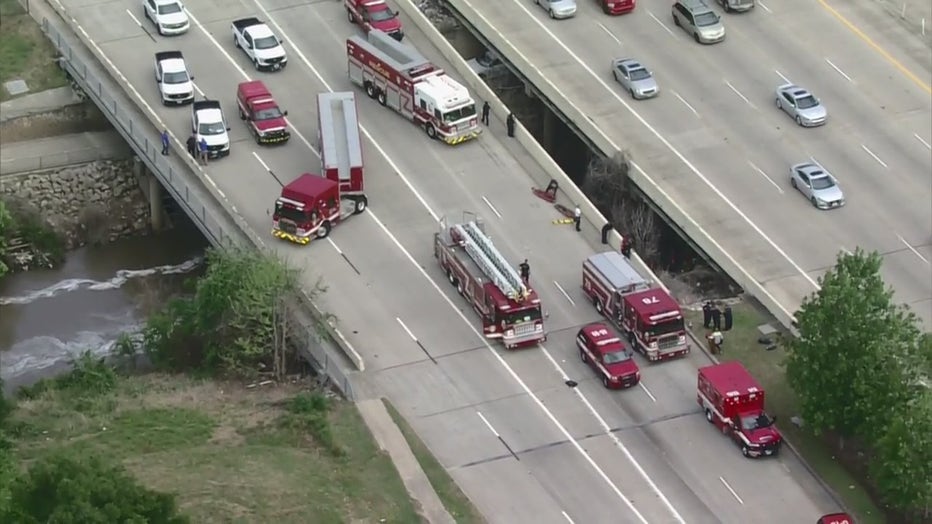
(492, 263)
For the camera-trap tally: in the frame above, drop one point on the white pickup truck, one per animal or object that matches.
(260, 44)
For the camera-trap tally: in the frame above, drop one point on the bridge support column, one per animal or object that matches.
(156, 211)
(550, 128)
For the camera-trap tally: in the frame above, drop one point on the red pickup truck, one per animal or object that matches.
(374, 14)
(261, 113)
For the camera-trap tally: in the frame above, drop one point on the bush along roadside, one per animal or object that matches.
(26, 240)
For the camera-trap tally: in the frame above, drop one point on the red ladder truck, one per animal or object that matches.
(509, 308)
(310, 205)
(400, 78)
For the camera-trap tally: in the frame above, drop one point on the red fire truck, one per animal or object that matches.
(509, 308)
(650, 317)
(734, 402)
(311, 205)
(400, 78)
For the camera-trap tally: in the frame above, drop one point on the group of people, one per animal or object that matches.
(509, 122)
(196, 148)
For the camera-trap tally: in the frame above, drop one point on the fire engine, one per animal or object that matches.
(651, 318)
(400, 78)
(509, 308)
(311, 205)
(734, 402)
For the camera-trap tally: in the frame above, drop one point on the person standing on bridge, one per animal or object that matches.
(525, 272)
(485, 112)
(510, 124)
(192, 146)
(165, 142)
(626, 246)
(577, 217)
(202, 149)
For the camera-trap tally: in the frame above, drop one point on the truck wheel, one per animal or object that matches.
(598, 306)
(381, 97)
(582, 356)
(349, 15)
(459, 288)
(324, 230)
(242, 115)
(235, 42)
(361, 203)
(370, 89)
(745, 451)
(708, 416)
(255, 63)
(450, 277)
(605, 381)
(431, 132)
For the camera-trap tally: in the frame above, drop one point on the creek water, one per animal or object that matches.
(47, 317)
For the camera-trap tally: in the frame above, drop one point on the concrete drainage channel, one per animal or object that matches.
(658, 240)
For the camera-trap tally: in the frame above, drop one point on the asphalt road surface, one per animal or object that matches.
(524, 446)
(715, 141)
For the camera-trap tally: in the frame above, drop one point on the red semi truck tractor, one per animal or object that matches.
(400, 78)
(734, 402)
(261, 113)
(311, 205)
(510, 310)
(374, 14)
(651, 318)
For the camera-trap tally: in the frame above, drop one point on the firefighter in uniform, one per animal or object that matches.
(525, 272)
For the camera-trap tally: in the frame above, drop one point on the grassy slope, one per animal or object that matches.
(25, 53)
(220, 449)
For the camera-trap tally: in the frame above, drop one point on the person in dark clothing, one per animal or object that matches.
(192, 146)
(486, 108)
(525, 272)
(707, 314)
(626, 243)
(716, 318)
(510, 124)
(165, 142)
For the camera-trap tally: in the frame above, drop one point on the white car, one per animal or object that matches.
(207, 123)
(169, 16)
(260, 44)
(176, 86)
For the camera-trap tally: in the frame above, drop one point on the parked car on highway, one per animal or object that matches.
(208, 122)
(168, 16)
(801, 105)
(558, 8)
(617, 7)
(737, 5)
(635, 78)
(176, 86)
(817, 184)
(488, 65)
(699, 20)
(260, 44)
(608, 356)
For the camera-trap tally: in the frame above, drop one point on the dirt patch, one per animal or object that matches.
(77, 118)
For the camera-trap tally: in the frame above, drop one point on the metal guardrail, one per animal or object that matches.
(226, 230)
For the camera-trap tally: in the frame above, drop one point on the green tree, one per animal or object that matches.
(236, 322)
(902, 467)
(6, 229)
(63, 489)
(847, 364)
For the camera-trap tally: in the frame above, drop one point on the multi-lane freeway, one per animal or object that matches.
(523, 445)
(715, 142)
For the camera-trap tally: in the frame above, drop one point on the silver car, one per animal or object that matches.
(737, 5)
(488, 65)
(697, 19)
(817, 184)
(558, 8)
(635, 78)
(801, 105)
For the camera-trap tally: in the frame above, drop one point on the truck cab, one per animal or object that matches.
(261, 113)
(607, 355)
(449, 103)
(374, 14)
(309, 207)
(207, 122)
(617, 7)
(734, 403)
(260, 44)
(655, 324)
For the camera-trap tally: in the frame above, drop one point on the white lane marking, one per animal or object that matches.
(139, 98)
(612, 35)
(685, 103)
(919, 138)
(764, 6)
(649, 394)
(875, 157)
(663, 25)
(198, 89)
(911, 248)
(565, 294)
(362, 128)
(761, 171)
(731, 490)
(735, 89)
(488, 424)
(785, 79)
(242, 72)
(266, 166)
(408, 331)
(670, 147)
(840, 72)
(335, 246)
(514, 375)
(617, 442)
(568, 519)
(133, 17)
(486, 200)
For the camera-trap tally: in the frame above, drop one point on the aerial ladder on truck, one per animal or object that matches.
(490, 261)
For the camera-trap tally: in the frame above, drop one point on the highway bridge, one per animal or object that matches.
(713, 151)
(523, 445)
